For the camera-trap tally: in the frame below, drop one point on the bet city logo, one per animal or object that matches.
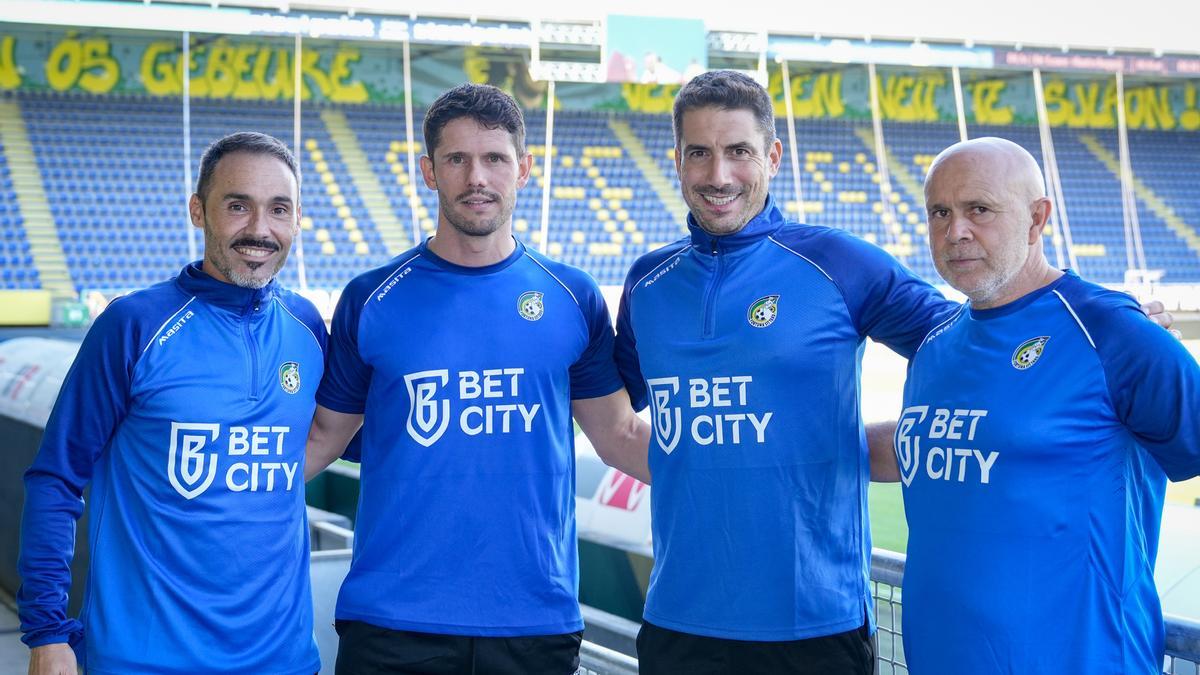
(194, 459)
(430, 411)
(942, 462)
(719, 411)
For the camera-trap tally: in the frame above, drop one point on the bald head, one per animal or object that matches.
(1020, 169)
(987, 210)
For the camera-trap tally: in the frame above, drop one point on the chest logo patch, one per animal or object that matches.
(763, 311)
(1029, 352)
(530, 306)
(289, 376)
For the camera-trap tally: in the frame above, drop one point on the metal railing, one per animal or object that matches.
(887, 573)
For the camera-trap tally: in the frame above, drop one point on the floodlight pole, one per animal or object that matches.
(301, 274)
(791, 125)
(547, 166)
(958, 103)
(881, 164)
(187, 143)
(414, 201)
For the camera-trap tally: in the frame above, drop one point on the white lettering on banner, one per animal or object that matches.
(431, 407)
(961, 465)
(192, 460)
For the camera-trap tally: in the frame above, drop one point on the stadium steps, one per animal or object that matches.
(899, 173)
(394, 236)
(40, 230)
(1143, 192)
(650, 171)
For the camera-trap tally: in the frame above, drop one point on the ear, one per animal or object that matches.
(1040, 211)
(524, 166)
(196, 211)
(775, 156)
(427, 172)
(678, 161)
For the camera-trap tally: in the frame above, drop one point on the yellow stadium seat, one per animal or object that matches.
(317, 156)
(361, 248)
(556, 248)
(869, 167)
(410, 190)
(818, 176)
(622, 215)
(603, 215)
(638, 238)
(902, 207)
(306, 223)
(844, 167)
(860, 158)
(328, 248)
(521, 225)
(601, 182)
(338, 200)
(922, 229)
(810, 167)
(350, 224)
(343, 212)
(356, 236)
(578, 237)
(327, 178)
(617, 237)
(877, 207)
(322, 235)
(310, 144)
(912, 218)
(391, 158)
(568, 161)
(610, 226)
(332, 189)
(628, 225)
(894, 197)
(422, 212)
(586, 162)
(614, 204)
(595, 204)
(394, 146)
(593, 172)
(826, 187)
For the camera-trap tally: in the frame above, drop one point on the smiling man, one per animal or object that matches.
(187, 410)
(745, 340)
(463, 360)
(1040, 425)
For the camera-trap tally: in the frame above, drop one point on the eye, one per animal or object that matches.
(495, 158)
(939, 213)
(237, 206)
(741, 152)
(980, 210)
(696, 153)
(280, 210)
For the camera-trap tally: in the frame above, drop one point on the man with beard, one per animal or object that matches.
(186, 410)
(1040, 425)
(746, 339)
(463, 360)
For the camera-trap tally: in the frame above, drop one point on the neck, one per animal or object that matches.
(461, 249)
(1028, 280)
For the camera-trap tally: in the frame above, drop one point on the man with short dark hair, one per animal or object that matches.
(186, 410)
(464, 360)
(745, 340)
(1040, 424)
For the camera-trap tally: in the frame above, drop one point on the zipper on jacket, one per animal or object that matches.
(710, 313)
(252, 350)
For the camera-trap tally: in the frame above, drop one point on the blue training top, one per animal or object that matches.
(747, 348)
(1032, 446)
(187, 409)
(465, 376)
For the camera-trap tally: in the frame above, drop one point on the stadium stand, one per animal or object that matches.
(112, 177)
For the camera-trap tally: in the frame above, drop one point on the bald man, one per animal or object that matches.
(1040, 424)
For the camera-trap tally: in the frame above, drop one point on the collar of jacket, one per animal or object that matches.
(194, 281)
(760, 227)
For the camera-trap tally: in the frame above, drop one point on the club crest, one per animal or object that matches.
(1029, 352)
(530, 306)
(763, 311)
(289, 377)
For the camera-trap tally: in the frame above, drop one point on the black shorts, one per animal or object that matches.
(365, 649)
(662, 651)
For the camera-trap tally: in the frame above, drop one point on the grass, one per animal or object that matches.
(888, 529)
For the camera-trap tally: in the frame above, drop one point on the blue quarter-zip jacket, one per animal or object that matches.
(187, 409)
(747, 348)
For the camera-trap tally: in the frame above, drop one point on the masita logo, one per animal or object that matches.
(289, 377)
(431, 404)
(195, 458)
(530, 306)
(763, 311)
(1029, 351)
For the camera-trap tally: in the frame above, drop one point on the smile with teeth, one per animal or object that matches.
(719, 200)
(254, 251)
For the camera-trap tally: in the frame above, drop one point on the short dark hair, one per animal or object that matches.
(490, 107)
(243, 141)
(727, 90)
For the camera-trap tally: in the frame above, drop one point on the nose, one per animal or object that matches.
(476, 175)
(959, 228)
(719, 172)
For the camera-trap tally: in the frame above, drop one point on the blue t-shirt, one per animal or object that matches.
(187, 409)
(465, 376)
(747, 348)
(1032, 447)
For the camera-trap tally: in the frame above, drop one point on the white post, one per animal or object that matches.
(958, 103)
(298, 146)
(547, 166)
(791, 125)
(1135, 255)
(414, 201)
(881, 164)
(187, 143)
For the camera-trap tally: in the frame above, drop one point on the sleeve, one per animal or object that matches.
(625, 351)
(347, 378)
(594, 374)
(1154, 384)
(92, 403)
(887, 302)
(306, 312)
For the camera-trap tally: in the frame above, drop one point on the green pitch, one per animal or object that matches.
(888, 529)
